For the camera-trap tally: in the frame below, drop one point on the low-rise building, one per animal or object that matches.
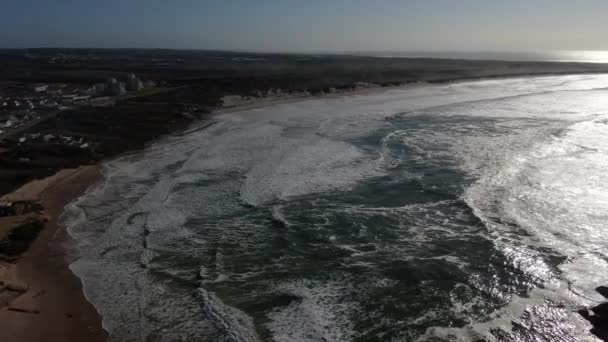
(115, 88)
(68, 98)
(102, 102)
(81, 99)
(133, 83)
(100, 88)
(39, 88)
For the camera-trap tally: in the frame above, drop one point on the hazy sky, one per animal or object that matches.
(308, 25)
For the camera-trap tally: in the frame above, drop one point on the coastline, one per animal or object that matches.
(53, 308)
(369, 89)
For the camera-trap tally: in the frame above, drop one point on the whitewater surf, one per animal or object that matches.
(466, 211)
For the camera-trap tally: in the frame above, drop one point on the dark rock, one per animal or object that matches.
(598, 317)
(603, 290)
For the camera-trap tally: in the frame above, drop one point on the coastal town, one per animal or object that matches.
(23, 108)
(23, 105)
(303, 171)
(28, 137)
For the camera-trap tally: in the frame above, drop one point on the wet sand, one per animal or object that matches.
(54, 307)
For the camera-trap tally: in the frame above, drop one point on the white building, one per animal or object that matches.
(39, 88)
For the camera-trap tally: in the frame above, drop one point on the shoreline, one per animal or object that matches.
(54, 307)
(371, 89)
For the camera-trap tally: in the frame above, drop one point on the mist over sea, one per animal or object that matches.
(457, 212)
(524, 56)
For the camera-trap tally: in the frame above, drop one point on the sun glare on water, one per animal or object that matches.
(582, 56)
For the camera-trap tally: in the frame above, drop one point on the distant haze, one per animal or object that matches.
(308, 25)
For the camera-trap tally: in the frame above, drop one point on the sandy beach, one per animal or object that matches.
(48, 303)
(52, 306)
(40, 298)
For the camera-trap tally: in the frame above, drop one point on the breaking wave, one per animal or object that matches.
(455, 212)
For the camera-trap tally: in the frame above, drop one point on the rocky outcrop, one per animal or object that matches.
(598, 316)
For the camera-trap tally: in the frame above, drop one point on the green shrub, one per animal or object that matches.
(20, 238)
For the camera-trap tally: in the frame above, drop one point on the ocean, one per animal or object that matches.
(522, 56)
(469, 211)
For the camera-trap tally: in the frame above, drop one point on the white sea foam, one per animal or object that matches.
(299, 149)
(553, 187)
(235, 326)
(318, 166)
(556, 191)
(319, 312)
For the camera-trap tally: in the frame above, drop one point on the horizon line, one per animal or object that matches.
(305, 51)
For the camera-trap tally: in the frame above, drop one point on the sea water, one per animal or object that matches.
(458, 212)
(521, 56)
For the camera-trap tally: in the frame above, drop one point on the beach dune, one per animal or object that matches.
(43, 299)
